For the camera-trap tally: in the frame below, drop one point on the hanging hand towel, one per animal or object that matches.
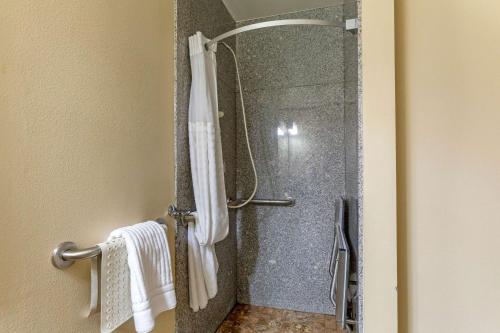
(212, 223)
(151, 284)
(203, 266)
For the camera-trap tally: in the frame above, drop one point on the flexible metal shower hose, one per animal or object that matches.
(247, 201)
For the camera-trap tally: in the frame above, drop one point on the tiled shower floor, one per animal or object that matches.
(257, 319)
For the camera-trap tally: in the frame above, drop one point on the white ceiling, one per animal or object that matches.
(249, 9)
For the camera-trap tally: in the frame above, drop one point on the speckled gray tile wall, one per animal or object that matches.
(211, 18)
(292, 55)
(283, 253)
(294, 74)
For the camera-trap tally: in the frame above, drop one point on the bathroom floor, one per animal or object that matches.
(257, 319)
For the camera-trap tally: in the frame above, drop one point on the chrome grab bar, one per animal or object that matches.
(186, 214)
(66, 253)
(289, 202)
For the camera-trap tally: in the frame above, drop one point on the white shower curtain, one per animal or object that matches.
(211, 221)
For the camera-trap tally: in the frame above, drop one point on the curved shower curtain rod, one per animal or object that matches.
(268, 24)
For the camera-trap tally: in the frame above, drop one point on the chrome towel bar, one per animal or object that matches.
(66, 253)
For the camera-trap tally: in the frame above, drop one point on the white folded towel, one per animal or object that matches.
(151, 284)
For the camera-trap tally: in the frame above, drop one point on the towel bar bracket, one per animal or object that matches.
(57, 255)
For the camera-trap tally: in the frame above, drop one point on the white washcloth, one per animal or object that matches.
(202, 268)
(151, 284)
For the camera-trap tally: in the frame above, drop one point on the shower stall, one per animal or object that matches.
(300, 86)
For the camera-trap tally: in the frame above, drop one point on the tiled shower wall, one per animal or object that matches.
(211, 18)
(295, 75)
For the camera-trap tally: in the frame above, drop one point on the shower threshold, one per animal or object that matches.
(257, 319)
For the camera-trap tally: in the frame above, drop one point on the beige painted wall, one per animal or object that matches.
(379, 163)
(86, 140)
(448, 105)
